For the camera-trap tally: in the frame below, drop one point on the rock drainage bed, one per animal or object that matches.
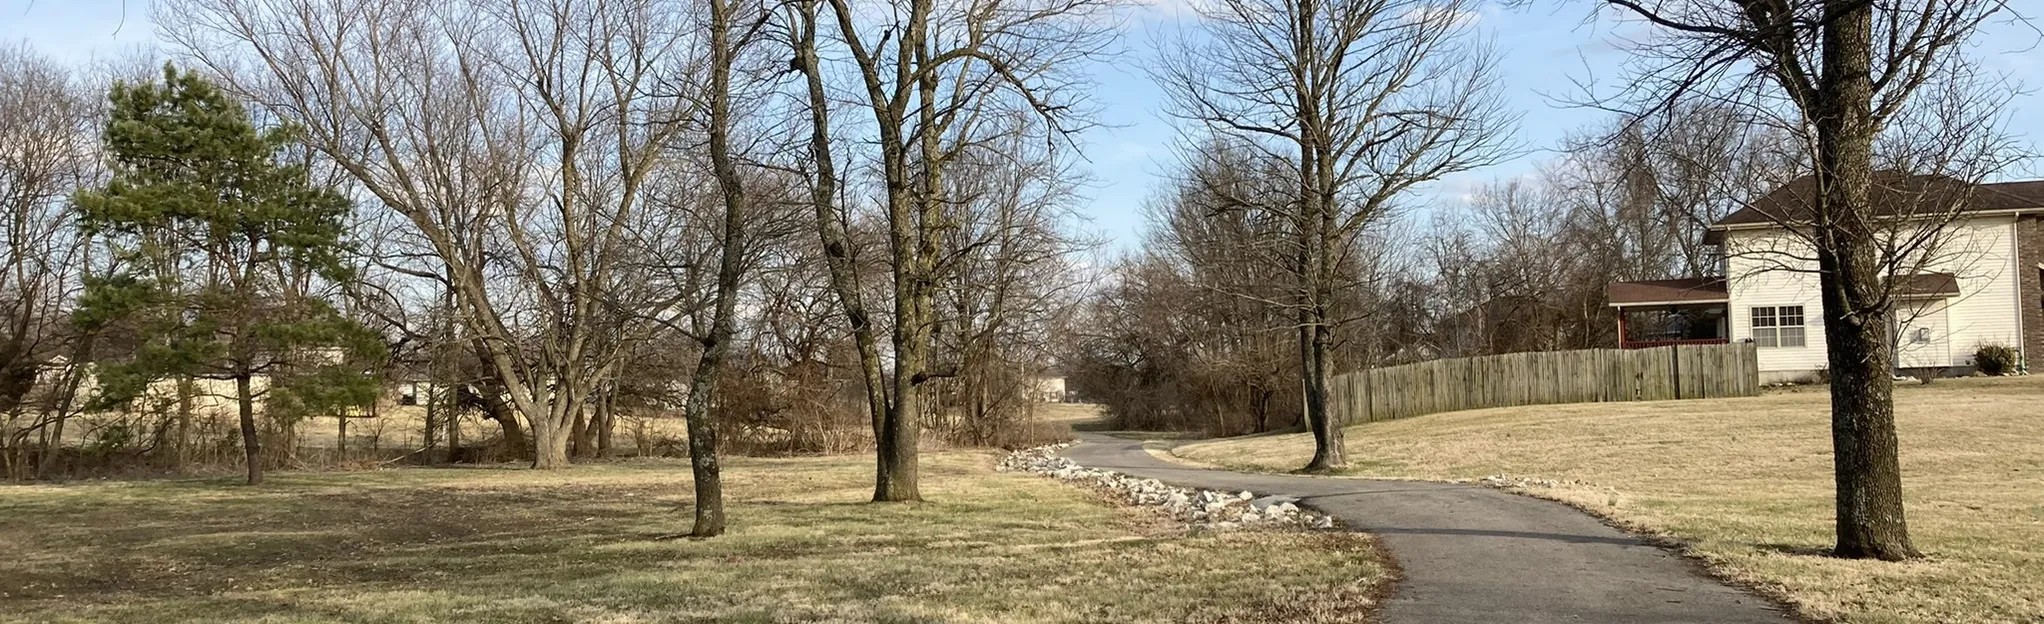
(1201, 509)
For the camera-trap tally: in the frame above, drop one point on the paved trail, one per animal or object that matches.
(1475, 554)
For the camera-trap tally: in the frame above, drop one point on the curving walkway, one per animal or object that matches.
(1475, 554)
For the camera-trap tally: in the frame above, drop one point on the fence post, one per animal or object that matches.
(1675, 368)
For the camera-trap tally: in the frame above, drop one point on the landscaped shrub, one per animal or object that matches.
(1994, 359)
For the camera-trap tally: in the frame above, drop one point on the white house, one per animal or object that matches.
(1050, 389)
(1972, 279)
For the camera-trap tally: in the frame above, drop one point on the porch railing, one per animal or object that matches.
(1649, 344)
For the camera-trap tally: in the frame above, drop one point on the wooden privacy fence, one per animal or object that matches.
(1545, 377)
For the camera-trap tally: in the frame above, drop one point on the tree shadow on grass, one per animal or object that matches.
(1800, 550)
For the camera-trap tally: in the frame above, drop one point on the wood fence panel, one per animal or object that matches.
(1539, 378)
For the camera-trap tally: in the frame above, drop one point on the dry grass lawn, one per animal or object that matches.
(593, 544)
(1746, 483)
(1066, 414)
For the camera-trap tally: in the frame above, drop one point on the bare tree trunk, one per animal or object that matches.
(831, 230)
(496, 409)
(702, 443)
(1317, 283)
(549, 440)
(1856, 308)
(185, 392)
(452, 418)
(702, 425)
(896, 479)
(606, 419)
(1328, 450)
(66, 398)
(251, 447)
(1870, 521)
(912, 207)
(578, 433)
(515, 443)
(432, 425)
(592, 426)
(53, 449)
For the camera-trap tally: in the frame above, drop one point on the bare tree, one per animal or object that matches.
(1009, 258)
(840, 254)
(516, 137)
(47, 151)
(1226, 253)
(734, 28)
(1838, 74)
(1524, 265)
(1365, 100)
(925, 75)
(1649, 187)
(1192, 333)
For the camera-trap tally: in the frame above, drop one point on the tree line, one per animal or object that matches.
(1199, 340)
(799, 226)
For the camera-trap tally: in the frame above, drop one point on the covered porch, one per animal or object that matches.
(1660, 313)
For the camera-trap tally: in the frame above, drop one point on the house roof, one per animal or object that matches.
(1692, 290)
(1928, 286)
(1894, 194)
(1666, 292)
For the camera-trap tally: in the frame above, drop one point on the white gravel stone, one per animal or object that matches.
(1205, 509)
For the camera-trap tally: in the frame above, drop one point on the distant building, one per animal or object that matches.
(1050, 389)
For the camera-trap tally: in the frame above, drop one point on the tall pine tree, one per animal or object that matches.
(224, 247)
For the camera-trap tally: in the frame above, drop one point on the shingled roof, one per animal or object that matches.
(1928, 286)
(1693, 290)
(1894, 194)
(1669, 291)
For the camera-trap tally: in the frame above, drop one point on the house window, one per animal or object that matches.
(1778, 326)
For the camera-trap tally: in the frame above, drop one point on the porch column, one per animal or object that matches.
(1621, 328)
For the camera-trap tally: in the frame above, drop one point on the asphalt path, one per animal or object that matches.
(1470, 553)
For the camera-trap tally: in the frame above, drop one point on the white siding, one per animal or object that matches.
(1923, 337)
(1759, 273)
(1989, 306)
(1766, 268)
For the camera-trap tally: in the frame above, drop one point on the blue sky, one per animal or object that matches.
(1544, 51)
